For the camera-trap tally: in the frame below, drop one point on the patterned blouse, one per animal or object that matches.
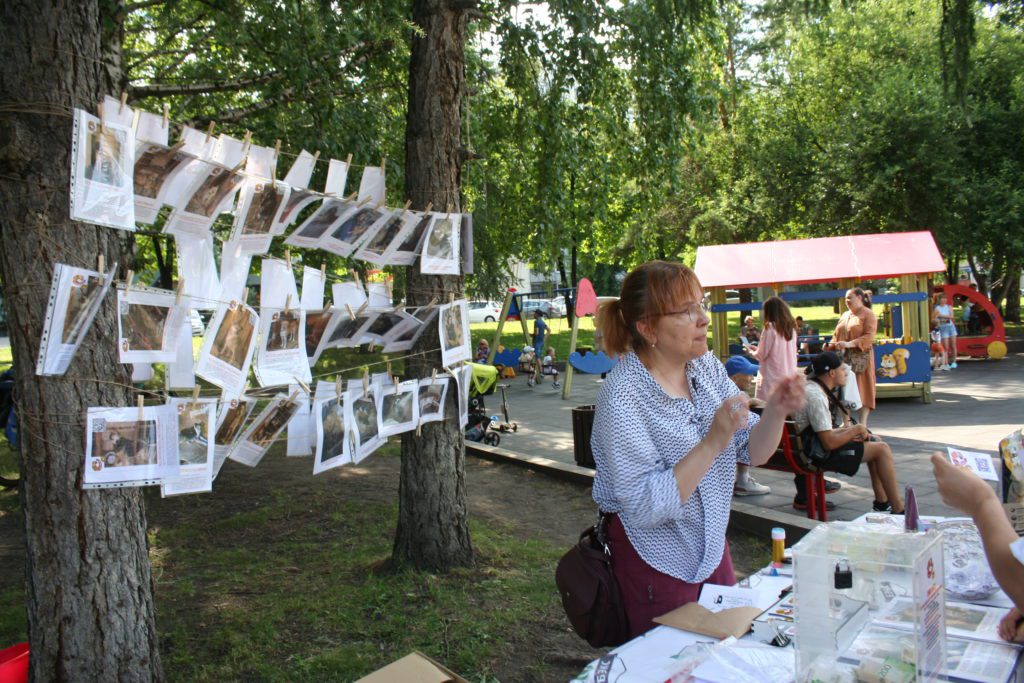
(639, 434)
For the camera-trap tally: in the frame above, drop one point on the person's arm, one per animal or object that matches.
(786, 398)
(764, 347)
(832, 439)
(869, 326)
(968, 493)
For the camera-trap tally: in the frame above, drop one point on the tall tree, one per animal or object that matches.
(433, 527)
(89, 590)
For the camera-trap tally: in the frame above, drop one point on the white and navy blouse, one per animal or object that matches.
(640, 433)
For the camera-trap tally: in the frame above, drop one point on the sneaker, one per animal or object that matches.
(951, 365)
(944, 368)
(802, 505)
(750, 488)
(831, 486)
(556, 385)
(881, 507)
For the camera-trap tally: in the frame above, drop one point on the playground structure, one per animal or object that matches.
(991, 344)
(902, 364)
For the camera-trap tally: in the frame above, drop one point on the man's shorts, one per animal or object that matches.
(845, 460)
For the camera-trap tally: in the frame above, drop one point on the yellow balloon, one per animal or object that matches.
(996, 350)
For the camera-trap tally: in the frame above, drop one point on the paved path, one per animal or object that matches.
(974, 406)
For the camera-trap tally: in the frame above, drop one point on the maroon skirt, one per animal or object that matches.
(648, 593)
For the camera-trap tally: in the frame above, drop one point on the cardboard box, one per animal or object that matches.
(413, 668)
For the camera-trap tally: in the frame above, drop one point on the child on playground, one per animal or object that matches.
(939, 358)
(549, 366)
(483, 350)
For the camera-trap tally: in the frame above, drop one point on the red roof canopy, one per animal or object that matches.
(824, 259)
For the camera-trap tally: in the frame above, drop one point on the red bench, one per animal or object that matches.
(787, 458)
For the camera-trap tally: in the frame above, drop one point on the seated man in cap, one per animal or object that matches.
(845, 444)
(741, 371)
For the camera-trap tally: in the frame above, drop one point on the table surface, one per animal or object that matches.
(654, 655)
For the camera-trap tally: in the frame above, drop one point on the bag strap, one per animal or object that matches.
(833, 402)
(601, 530)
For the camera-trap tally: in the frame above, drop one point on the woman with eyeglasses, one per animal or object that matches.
(669, 429)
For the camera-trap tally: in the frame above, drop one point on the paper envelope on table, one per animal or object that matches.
(697, 619)
(413, 668)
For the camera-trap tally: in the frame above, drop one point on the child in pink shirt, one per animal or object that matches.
(776, 354)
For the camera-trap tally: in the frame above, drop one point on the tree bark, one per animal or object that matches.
(433, 528)
(88, 590)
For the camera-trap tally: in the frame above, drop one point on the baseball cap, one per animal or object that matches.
(739, 365)
(823, 363)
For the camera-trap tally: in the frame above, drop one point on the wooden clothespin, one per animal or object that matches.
(408, 203)
(291, 399)
(103, 124)
(177, 145)
(366, 380)
(433, 301)
(451, 298)
(277, 155)
(178, 291)
(379, 204)
(128, 280)
(195, 396)
(351, 315)
(323, 271)
(370, 347)
(142, 408)
(433, 375)
(167, 115)
(305, 387)
(389, 368)
(337, 385)
(288, 258)
(362, 308)
(352, 197)
(124, 101)
(100, 263)
(348, 162)
(430, 205)
(287, 303)
(316, 157)
(209, 132)
(363, 202)
(245, 296)
(383, 164)
(449, 209)
(387, 286)
(355, 276)
(247, 140)
(238, 167)
(395, 380)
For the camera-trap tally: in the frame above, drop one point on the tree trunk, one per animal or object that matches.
(1011, 309)
(433, 527)
(88, 591)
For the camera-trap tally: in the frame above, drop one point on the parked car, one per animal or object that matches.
(197, 323)
(531, 305)
(484, 311)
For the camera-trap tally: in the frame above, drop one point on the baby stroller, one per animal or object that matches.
(481, 383)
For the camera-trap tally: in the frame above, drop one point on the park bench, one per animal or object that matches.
(788, 458)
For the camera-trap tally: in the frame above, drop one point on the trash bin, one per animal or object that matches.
(582, 426)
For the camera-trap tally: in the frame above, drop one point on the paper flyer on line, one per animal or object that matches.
(261, 434)
(76, 295)
(148, 321)
(333, 440)
(195, 447)
(123, 450)
(228, 347)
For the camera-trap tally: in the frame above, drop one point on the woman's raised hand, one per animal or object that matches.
(789, 394)
(730, 416)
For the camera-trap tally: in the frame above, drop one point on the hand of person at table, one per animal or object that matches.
(1010, 628)
(730, 416)
(959, 487)
(789, 394)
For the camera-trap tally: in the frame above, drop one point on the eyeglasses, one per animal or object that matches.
(694, 311)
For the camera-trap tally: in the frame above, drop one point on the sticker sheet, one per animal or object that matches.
(148, 323)
(333, 442)
(281, 356)
(102, 155)
(399, 408)
(228, 347)
(195, 447)
(432, 395)
(372, 186)
(441, 246)
(263, 431)
(453, 330)
(233, 415)
(76, 295)
(314, 282)
(123, 450)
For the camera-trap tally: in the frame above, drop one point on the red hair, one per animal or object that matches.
(649, 292)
